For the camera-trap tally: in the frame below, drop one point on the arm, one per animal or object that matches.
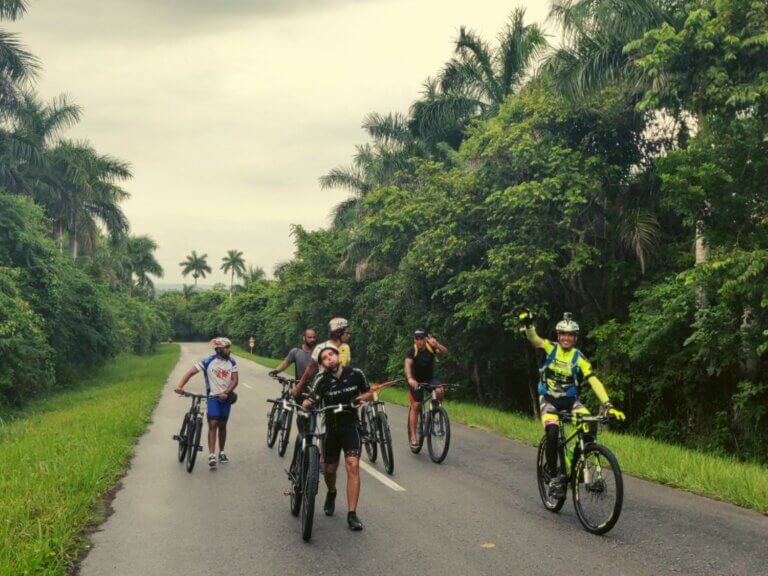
(285, 363)
(535, 339)
(437, 346)
(594, 381)
(311, 367)
(317, 392)
(184, 379)
(364, 388)
(408, 369)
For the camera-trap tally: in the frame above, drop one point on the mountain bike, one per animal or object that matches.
(591, 471)
(304, 473)
(374, 429)
(281, 416)
(191, 430)
(433, 424)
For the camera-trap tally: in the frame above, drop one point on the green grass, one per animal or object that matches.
(62, 454)
(727, 479)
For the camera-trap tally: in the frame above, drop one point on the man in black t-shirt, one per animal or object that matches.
(420, 369)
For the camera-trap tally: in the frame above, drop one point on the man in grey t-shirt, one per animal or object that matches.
(299, 357)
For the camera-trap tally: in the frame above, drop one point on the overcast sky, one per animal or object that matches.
(230, 110)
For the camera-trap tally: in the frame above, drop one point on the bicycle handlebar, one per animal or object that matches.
(285, 381)
(566, 415)
(186, 394)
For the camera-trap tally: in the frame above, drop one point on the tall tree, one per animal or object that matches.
(17, 66)
(141, 256)
(233, 263)
(195, 265)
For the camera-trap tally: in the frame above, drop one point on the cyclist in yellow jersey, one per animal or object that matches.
(564, 369)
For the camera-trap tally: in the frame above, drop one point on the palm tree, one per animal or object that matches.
(141, 257)
(195, 265)
(595, 33)
(17, 66)
(254, 274)
(477, 80)
(81, 192)
(233, 263)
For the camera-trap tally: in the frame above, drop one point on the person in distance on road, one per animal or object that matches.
(420, 369)
(338, 384)
(338, 336)
(563, 370)
(221, 378)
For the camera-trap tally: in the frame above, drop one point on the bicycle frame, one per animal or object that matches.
(581, 428)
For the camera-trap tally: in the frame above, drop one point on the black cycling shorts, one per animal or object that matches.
(345, 438)
(419, 394)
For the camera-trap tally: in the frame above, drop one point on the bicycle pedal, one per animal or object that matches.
(288, 493)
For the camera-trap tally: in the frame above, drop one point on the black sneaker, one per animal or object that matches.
(330, 503)
(354, 522)
(223, 458)
(557, 488)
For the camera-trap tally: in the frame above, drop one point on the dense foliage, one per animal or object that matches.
(62, 311)
(626, 182)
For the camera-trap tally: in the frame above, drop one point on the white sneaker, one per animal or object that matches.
(223, 458)
(212, 461)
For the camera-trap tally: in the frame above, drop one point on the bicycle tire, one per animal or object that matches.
(285, 432)
(272, 424)
(419, 433)
(584, 494)
(543, 477)
(439, 437)
(296, 482)
(385, 436)
(311, 481)
(182, 439)
(194, 446)
(369, 439)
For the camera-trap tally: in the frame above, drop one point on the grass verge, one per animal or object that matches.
(726, 479)
(268, 362)
(63, 453)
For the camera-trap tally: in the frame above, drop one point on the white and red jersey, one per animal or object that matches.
(217, 372)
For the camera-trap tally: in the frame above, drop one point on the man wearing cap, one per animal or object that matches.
(221, 378)
(420, 368)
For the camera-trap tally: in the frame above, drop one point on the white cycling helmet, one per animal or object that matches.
(338, 324)
(221, 342)
(323, 347)
(567, 324)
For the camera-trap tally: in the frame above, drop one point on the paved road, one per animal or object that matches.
(235, 520)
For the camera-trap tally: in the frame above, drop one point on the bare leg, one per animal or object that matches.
(352, 464)
(412, 418)
(222, 434)
(213, 426)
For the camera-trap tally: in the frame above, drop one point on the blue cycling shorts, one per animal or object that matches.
(218, 409)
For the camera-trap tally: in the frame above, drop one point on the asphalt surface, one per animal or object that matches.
(477, 513)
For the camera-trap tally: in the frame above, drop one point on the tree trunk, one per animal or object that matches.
(231, 281)
(701, 256)
(475, 378)
(59, 237)
(73, 245)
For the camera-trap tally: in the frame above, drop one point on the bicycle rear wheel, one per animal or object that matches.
(598, 489)
(439, 438)
(195, 431)
(285, 432)
(272, 424)
(419, 433)
(369, 438)
(182, 438)
(311, 480)
(542, 479)
(385, 438)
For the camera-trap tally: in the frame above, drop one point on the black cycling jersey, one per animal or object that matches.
(423, 364)
(328, 390)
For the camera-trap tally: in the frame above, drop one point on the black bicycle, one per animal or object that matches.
(433, 424)
(375, 431)
(281, 416)
(191, 431)
(304, 473)
(591, 471)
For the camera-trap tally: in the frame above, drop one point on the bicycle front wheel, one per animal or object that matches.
(543, 477)
(369, 437)
(272, 424)
(598, 489)
(311, 480)
(285, 432)
(183, 438)
(439, 438)
(385, 437)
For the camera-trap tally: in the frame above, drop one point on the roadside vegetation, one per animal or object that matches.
(61, 454)
(621, 177)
